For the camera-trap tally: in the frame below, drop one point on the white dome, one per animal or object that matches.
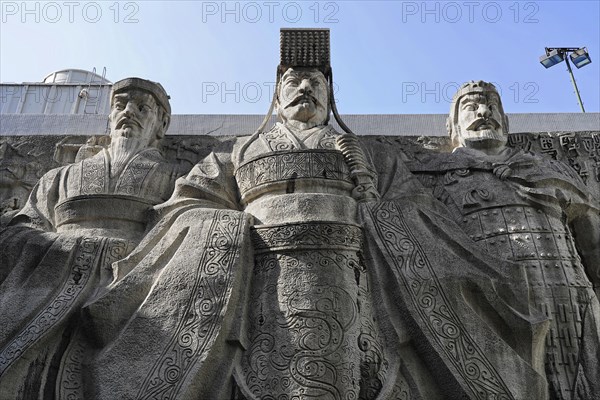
(75, 76)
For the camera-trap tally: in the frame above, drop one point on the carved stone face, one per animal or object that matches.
(480, 121)
(135, 115)
(303, 96)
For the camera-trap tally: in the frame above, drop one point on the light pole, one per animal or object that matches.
(579, 56)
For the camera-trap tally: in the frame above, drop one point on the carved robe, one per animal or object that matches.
(311, 329)
(537, 214)
(196, 303)
(408, 325)
(58, 250)
(305, 293)
(167, 326)
(457, 316)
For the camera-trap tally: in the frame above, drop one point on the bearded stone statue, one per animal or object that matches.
(79, 219)
(292, 266)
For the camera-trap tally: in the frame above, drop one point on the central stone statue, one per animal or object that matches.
(311, 327)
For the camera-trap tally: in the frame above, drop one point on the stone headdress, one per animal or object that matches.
(309, 48)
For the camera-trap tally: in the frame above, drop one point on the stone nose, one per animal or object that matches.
(130, 109)
(305, 87)
(483, 111)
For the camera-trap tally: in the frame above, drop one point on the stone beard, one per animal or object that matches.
(81, 218)
(135, 125)
(268, 274)
(121, 150)
(307, 336)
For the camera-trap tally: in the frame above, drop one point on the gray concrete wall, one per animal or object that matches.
(236, 125)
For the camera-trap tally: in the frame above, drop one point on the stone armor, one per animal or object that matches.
(502, 220)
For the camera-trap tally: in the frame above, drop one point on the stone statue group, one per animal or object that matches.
(303, 264)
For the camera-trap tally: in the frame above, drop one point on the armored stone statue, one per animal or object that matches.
(537, 214)
(79, 219)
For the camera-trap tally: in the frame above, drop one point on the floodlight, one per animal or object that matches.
(580, 57)
(551, 58)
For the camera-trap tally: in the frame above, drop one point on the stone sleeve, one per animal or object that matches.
(394, 179)
(586, 231)
(209, 184)
(38, 212)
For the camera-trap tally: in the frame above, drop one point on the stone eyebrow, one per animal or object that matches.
(468, 99)
(137, 97)
(120, 96)
(301, 75)
(473, 97)
(145, 97)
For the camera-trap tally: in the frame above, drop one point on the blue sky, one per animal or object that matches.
(388, 57)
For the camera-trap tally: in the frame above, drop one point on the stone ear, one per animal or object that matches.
(166, 121)
(452, 130)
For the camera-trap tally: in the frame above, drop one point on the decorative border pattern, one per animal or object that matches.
(200, 320)
(321, 164)
(86, 256)
(430, 301)
(69, 378)
(316, 234)
(134, 176)
(93, 175)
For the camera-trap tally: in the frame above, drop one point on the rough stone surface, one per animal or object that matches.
(536, 213)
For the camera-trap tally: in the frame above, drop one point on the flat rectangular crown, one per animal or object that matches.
(304, 48)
